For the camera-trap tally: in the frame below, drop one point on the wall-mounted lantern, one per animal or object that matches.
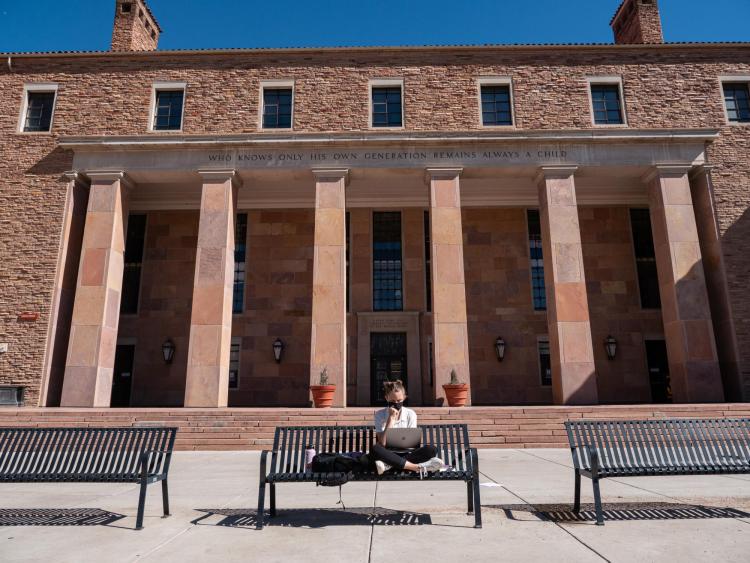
(278, 348)
(500, 348)
(167, 350)
(610, 345)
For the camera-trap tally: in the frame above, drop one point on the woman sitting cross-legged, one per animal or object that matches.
(421, 460)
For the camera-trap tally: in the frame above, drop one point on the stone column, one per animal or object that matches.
(688, 328)
(450, 334)
(571, 351)
(96, 311)
(727, 349)
(328, 339)
(207, 380)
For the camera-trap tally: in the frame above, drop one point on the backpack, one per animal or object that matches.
(333, 470)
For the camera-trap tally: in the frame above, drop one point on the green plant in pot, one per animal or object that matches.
(324, 392)
(456, 392)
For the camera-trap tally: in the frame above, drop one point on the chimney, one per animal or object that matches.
(135, 27)
(637, 21)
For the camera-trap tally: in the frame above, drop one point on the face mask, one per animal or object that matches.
(396, 405)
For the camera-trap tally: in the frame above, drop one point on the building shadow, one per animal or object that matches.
(637, 511)
(57, 517)
(313, 517)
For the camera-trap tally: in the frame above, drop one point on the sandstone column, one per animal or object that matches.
(96, 310)
(701, 190)
(207, 380)
(450, 334)
(688, 329)
(328, 340)
(571, 352)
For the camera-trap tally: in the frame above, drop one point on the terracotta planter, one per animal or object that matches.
(456, 395)
(323, 395)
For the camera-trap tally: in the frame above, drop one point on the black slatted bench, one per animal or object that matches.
(287, 463)
(89, 455)
(632, 448)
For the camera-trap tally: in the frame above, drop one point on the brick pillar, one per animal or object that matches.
(207, 380)
(571, 351)
(688, 328)
(328, 343)
(96, 310)
(727, 350)
(450, 334)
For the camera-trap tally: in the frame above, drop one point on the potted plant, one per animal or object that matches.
(456, 393)
(323, 392)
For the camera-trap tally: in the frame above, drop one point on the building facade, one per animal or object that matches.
(555, 224)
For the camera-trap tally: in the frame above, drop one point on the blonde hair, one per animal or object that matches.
(393, 387)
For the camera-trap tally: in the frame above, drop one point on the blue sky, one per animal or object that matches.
(47, 25)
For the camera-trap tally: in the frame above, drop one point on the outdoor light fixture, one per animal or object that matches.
(500, 348)
(167, 350)
(610, 345)
(278, 348)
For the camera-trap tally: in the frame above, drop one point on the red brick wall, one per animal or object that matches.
(665, 87)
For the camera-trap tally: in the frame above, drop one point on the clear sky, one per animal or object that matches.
(50, 25)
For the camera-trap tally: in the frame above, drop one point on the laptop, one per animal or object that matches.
(403, 439)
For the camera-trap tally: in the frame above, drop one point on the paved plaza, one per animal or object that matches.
(525, 501)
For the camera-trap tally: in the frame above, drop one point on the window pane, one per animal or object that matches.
(277, 108)
(545, 366)
(387, 274)
(39, 111)
(496, 105)
(605, 99)
(234, 363)
(645, 258)
(538, 292)
(133, 258)
(168, 112)
(386, 107)
(737, 100)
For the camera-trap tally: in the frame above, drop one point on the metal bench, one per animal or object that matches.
(287, 463)
(632, 448)
(89, 455)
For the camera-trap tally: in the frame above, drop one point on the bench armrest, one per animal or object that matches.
(594, 458)
(263, 464)
(144, 458)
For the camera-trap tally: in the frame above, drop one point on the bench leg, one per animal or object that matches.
(165, 496)
(273, 499)
(598, 503)
(577, 501)
(261, 505)
(141, 506)
(477, 505)
(470, 495)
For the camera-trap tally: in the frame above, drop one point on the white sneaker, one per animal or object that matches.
(431, 466)
(381, 467)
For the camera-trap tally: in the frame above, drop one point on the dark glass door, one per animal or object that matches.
(387, 362)
(658, 371)
(122, 379)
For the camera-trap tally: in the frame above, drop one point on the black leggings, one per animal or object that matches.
(379, 453)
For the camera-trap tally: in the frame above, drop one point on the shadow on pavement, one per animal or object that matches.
(314, 517)
(562, 513)
(57, 517)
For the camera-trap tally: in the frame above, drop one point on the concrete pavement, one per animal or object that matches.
(525, 500)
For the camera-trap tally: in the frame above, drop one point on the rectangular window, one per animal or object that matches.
(737, 101)
(427, 262)
(131, 276)
(606, 104)
(538, 294)
(645, 258)
(496, 105)
(240, 252)
(347, 219)
(386, 258)
(168, 106)
(386, 106)
(39, 109)
(545, 365)
(234, 362)
(277, 108)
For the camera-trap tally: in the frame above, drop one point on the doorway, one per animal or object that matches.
(387, 362)
(658, 371)
(122, 379)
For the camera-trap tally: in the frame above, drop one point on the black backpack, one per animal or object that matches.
(333, 470)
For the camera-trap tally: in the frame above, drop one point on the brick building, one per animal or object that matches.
(558, 224)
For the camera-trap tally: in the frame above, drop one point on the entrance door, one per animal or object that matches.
(122, 379)
(387, 362)
(658, 371)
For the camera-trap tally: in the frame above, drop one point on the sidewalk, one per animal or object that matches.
(526, 518)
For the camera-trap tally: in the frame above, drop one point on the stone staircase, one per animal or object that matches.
(253, 428)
